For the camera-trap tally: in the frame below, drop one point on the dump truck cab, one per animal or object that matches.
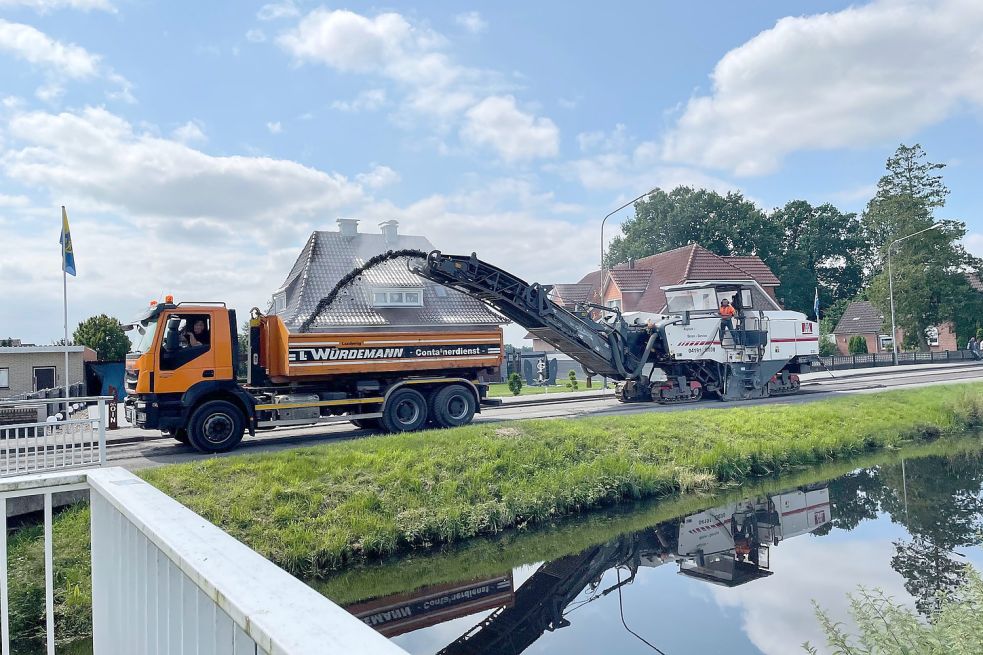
(184, 356)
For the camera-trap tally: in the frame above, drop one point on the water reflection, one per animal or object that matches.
(727, 545)
(910, 526)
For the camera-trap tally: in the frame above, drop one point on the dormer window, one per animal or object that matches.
(411, 297)
(279, 302)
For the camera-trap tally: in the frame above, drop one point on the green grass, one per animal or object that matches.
(320, 509)
(314, 510)
(501, 390)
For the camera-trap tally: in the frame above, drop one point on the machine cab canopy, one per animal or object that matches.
(706, 296)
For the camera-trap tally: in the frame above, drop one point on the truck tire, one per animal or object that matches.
(405, 410)
(452, 406)
(179, 435)
(367, 423)
(216, 426)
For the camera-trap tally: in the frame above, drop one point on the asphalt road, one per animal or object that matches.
(157, 450)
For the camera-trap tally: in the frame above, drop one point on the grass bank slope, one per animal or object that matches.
(313, 510)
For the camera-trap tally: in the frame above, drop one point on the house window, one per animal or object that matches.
(4, 378)
(887, 343)
(397, 297)
(279, 302)
(614, 304)
(932, 335)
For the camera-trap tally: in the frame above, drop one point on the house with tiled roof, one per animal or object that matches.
(387, 298)
(865, 319)
(636, 286)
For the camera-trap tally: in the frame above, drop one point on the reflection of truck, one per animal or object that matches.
(394, 381)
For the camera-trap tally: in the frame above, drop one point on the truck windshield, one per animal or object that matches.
(143, 335)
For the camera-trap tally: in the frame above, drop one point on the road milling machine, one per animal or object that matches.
(678, 355)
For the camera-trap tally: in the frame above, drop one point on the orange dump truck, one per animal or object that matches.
(181, 379)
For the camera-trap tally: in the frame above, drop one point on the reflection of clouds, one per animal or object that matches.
(777, 612)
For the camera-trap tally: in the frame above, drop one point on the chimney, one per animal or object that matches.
(390, 231)
(631, 262)
(348, 227)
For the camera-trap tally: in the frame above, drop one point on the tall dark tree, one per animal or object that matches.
(105, 335)
(723, 224)
(930, 287)
(820, 248)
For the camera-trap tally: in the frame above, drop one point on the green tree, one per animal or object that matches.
(857, 345)
(105, 335)
(242, 365)
(724, 225)
(806, 246)
(572, 379)
(515, 384)
(929, 270)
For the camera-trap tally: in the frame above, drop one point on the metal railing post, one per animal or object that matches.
(102, 432)
(49, 576)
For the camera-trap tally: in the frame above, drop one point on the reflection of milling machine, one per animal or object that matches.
(727, 545)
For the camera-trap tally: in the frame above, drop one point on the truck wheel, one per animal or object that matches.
(180, 434)
(452, 406)
(367, 423)
(405, 410)
(216, 426)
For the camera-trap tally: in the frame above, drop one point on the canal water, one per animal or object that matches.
(737, 573)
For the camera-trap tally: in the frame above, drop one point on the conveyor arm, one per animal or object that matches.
(599, 347)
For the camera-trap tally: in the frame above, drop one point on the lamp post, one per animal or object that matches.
(890, 282)
(605, 219)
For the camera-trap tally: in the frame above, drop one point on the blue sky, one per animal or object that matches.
(196, 145)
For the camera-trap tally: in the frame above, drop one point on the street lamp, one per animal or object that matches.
(604, 220)
(890, 282)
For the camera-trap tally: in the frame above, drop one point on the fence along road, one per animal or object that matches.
(33, 439)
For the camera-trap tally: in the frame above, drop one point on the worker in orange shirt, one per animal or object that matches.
(726, 318)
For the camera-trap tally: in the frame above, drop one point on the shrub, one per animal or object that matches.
(891, 628)
(572, 375)
(857, 345)
(515, 384)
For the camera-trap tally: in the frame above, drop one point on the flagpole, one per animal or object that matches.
(64, 288)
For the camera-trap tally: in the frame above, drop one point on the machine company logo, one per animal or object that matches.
(807, 328)
(300, 355)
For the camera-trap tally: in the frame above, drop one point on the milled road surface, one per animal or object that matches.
(158, 450)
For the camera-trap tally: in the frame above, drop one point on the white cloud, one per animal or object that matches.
(274, 127)
(60, 61)
(255, 36)
(97, 158)
(368, 100)
(514, 134)
(380, 176)
(190, 132)
(860, 76)
(436, 87)
(46, 6)
(278, 10)
(472, 22)
(35, 47)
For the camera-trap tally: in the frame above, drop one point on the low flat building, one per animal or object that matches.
(26, 369)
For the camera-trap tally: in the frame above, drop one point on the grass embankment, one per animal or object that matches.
(501, 390)
(314, 510)
(317, 509)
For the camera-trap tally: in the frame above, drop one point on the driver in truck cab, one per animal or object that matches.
(196, 334)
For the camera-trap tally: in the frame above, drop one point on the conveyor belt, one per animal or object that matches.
(586, 341)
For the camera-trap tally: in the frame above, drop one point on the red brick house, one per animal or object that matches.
(636, 286)
(863, 318)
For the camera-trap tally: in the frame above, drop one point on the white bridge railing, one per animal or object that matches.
(51, 434)
(166, 581)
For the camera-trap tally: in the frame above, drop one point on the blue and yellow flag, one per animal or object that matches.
(67, 254)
